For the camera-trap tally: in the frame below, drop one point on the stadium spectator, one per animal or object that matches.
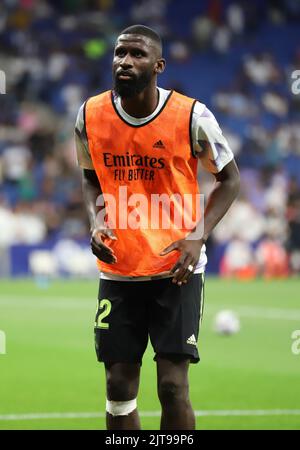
(238, 260)
(272, 259)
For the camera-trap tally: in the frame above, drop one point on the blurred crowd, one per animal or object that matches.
(55, 54)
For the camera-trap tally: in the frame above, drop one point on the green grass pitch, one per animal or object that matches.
(247, 381)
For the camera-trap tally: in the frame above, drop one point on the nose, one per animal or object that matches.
(126, 62)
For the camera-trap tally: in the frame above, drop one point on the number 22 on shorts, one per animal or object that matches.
(104, 304)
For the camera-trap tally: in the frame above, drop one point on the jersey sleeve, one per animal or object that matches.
(82, 148)
(209, 144)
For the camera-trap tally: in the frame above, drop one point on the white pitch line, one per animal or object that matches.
(208, 413)
(251, 312)
(268, 313)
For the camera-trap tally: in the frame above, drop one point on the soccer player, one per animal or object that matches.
(140, 139)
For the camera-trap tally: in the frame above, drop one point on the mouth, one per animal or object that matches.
(124, 76)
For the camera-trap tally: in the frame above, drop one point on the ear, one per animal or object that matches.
(160, 66)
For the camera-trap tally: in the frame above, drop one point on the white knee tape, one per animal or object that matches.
(120, 408)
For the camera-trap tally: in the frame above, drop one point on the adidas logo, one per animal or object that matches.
(192, 340)
(159, 144)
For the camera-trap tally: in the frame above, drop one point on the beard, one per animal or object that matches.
(132, 87)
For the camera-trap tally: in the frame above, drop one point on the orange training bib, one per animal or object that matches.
(148, 177)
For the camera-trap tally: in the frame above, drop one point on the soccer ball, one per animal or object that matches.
(226, 323)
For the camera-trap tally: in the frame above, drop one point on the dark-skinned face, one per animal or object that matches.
(135, 64)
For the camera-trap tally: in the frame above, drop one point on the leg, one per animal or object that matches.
(174, 327)
(173, 393)
(121, 334)
(122, 383)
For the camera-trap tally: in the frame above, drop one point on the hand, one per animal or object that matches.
(190, 252)
(99, 249)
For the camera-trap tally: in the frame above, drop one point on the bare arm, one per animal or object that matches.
(225, 191)
(91, 190)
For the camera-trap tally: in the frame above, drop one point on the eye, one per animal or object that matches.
(120, 53)
(138, 54)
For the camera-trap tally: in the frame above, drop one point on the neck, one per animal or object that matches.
(143, 104)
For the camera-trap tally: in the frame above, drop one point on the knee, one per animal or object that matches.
(171, 391)
(119, 388)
